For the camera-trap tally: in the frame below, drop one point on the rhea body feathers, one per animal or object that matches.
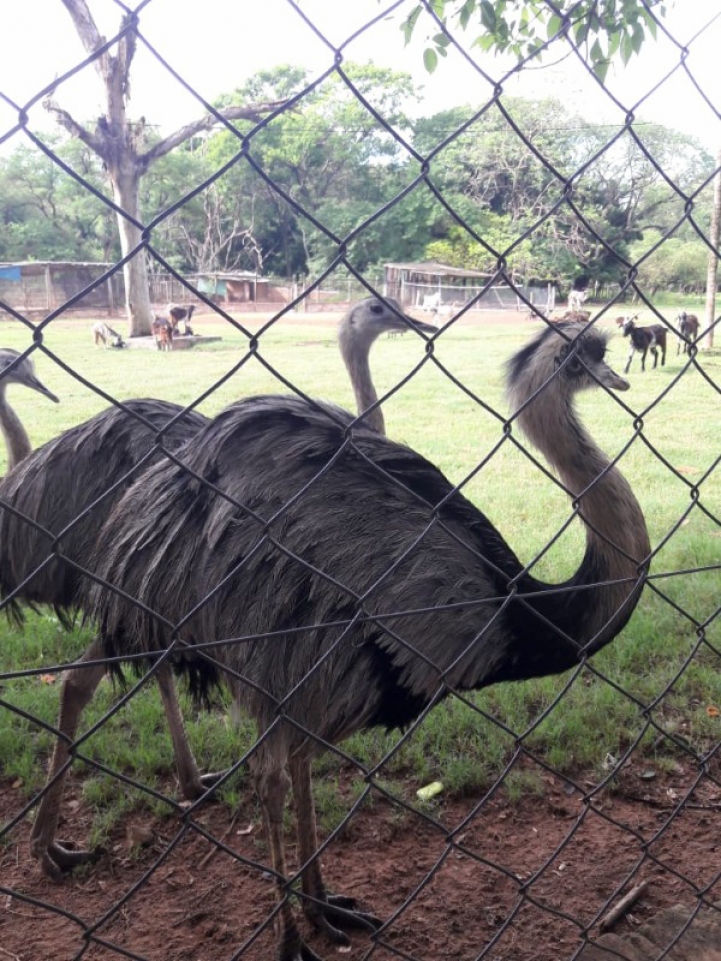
(67, 487)
(377, 586)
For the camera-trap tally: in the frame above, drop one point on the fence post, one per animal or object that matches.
(49, 305)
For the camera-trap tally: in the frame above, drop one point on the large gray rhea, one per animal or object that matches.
(353, 586)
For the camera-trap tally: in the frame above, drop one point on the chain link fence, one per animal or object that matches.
(226, 560)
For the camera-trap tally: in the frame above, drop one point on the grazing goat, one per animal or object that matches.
(176, 314)
(104, 334)
(431, 302)
(576, 300)
(163, 333)
(443, 313)
(644, 339)
(688, 330)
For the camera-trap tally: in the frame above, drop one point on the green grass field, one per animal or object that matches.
(665, 668)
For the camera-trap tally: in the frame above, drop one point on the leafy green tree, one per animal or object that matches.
(601, 29)
(675, 264)
(493, 178)
(333, 161)
(46, 215)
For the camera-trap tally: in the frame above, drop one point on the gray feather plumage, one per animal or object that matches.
(55, 484)
(315, 526)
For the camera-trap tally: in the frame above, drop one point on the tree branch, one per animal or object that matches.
(253, 112)
(96, 144)
(126, 52)
(89, 34)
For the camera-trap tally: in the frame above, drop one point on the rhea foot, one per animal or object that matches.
(57, 858)
(195, 788)
(336, 911)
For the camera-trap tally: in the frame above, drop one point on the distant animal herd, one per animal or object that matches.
(175, 322)
(165, 328)
(642, 339)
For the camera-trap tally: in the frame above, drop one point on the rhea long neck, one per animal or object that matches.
(17, 442)
(617, 544)
(355, 355)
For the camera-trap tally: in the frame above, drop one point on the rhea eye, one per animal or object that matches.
(574, 365)
(376, 308)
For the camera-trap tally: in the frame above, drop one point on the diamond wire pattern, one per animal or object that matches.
(531, 894)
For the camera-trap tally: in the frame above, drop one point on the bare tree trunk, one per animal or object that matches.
(126, 190)
(712, 275)
(121, 144)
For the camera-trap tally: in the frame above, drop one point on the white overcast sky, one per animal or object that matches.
(216, 44)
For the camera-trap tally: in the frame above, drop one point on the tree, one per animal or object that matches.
(46, 215)
(601, 29)
(494, 181)
(713, 255)
(335, 161)
(123, 149)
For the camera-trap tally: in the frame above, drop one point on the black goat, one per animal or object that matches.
(176, 313)
(644, 339)
(688, 330)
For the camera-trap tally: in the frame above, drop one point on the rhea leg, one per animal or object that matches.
(78, 688)
(324, 911)
(272, 783)
(193, 784)
(77, 691)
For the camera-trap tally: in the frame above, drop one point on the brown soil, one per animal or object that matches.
(521, 883)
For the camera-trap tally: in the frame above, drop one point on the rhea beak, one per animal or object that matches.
(36, 384)
(422, 326)
(410, 323)
(609, 378)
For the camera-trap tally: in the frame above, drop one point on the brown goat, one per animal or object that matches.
(163, 333)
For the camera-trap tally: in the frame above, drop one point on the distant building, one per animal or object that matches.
(411, 283)
(431, 286)
(236, 286)
(38, 285)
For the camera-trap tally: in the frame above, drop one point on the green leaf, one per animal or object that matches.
(438, 7)
(409, 24)
(597, 53)
(600, 68)
(485, 41)
(553, 26)
(488, 15)
(627, 50)
(614, 39)
(441, 40)
(580, 31)
(651, 24)
(430, 59)
(466, 12)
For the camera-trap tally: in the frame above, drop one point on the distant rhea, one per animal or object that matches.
(68, 487)
(16, 369)
(366, 585)
(359, 328)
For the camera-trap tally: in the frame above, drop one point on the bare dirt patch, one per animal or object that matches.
(520, 882)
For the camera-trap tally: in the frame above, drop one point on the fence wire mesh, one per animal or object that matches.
(285, 551)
